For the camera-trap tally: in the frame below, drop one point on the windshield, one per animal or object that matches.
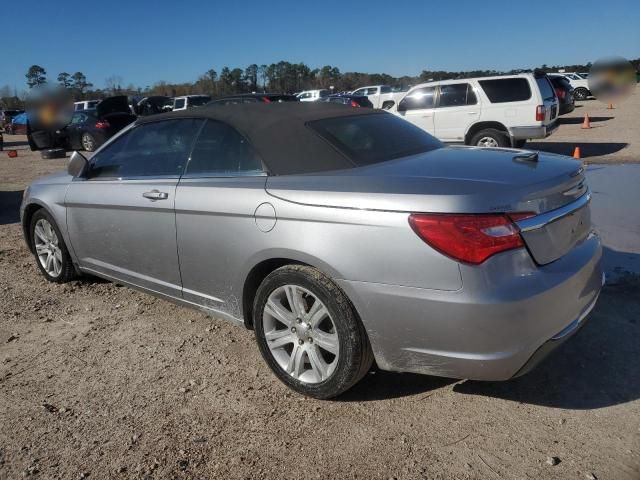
(368, 139)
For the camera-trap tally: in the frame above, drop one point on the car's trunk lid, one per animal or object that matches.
(117, 104)
(457, 180)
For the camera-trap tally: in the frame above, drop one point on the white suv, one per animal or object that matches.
(502, 111)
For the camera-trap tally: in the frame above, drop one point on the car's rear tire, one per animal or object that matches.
(318, 346)
(490, 137)
(580, 94)
(49, 249)
(88, 142)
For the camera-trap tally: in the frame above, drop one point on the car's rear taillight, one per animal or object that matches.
(560, 93)
(266, 99)
(354, 103)
(467, 238)
(541, 112)
(102, 124)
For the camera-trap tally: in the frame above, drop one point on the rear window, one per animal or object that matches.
(369, 139)
(546, 90)
(502, 90)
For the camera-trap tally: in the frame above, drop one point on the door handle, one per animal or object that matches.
(472, 113)
(154, 195)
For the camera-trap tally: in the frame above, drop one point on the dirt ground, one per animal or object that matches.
(99, 381)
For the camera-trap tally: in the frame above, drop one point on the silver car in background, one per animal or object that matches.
(341, 236)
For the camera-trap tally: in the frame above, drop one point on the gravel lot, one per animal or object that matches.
(99, 381)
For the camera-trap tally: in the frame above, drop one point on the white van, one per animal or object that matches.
(85, 105)
(502, 111)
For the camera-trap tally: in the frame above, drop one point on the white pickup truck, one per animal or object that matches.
(502, 111)
(381, 96)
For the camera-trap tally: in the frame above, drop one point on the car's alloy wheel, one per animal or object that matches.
(309, 333)
(50, 251)
(88, 143)
(580, 94)
(47, 249)
(487, 142)
(300, 334)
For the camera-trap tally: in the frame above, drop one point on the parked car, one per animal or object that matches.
(340, 235)
(253, 98)
(584, 75)
(190, 101)
(564, 92)
(351, 100)
(381, 96)
(85, 105)
(85, 129)
(580, 85)
(88, 129)
(312, 95)
(487, 112)
(6, 116)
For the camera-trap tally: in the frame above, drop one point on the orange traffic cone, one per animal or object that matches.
(576, 153)
(610, 107)
(586, 123)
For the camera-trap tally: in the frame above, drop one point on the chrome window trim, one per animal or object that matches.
(546, 218)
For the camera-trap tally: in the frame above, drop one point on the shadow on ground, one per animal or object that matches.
(8, 145)
(594, 149)
(579, 120)
(10, 206)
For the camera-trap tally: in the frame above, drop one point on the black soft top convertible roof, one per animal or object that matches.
(279, 133)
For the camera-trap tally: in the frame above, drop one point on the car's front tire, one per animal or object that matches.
(47, 244)
(309, 333)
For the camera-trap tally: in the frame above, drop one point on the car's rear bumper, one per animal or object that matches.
(531, 132)
(509, 312)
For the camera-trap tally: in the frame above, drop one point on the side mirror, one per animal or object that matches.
(402, 106)
(78, 165)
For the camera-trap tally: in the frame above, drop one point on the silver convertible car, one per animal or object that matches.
(342, 236)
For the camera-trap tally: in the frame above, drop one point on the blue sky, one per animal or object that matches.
(144, 41)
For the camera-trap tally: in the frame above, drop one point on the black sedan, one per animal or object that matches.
(85, 130)
(564, 92)
(351, 100)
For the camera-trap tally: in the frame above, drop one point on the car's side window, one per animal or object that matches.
(457, 95)
(151, 149)
(221, 151)
(418, 99)
(179, 103)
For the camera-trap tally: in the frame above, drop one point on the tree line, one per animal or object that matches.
(281, 77)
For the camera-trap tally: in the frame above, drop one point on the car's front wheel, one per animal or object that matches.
(49, 249)
(309, 333)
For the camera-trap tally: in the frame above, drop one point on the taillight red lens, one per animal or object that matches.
(541, 112)
(102, 124)
(266, 99)
(467, 238)
(560, 93)
(354, 103)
